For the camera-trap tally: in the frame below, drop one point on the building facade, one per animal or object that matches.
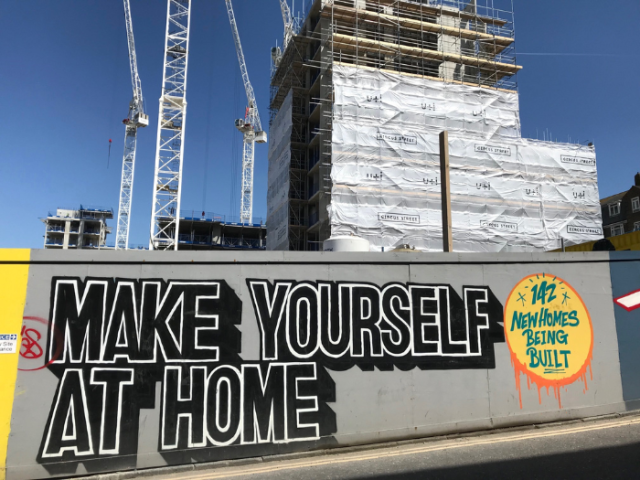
(211, 231)
(82, 228)
(359, 97)
(621, 212)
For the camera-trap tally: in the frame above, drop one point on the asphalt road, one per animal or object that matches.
(606, 449)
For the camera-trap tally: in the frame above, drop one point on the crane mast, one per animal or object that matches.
(135, 119)
(167, 183)
(250, 126)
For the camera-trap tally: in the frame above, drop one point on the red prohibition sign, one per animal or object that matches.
(30, 343)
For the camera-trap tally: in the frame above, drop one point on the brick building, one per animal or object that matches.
(621, 212)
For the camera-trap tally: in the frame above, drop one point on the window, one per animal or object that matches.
(636, 227)
(614, 209)
(617, 230)
(635, 204)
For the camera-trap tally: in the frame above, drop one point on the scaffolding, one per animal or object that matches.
(468, 42)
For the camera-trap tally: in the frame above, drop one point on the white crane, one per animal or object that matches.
(167, 183)
(134, 120)
(250, 127)
(287, 19)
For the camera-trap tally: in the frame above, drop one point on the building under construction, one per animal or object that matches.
(212, 231)
(359, 96)
(75, 229)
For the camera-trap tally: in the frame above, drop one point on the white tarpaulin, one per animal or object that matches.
(278, 177)
(385, 99)
(507, 193)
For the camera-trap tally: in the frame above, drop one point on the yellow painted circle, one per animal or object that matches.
(548, 329)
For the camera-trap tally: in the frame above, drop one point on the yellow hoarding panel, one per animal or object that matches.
(13, 292)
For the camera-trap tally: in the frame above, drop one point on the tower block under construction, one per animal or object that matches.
(359, 97)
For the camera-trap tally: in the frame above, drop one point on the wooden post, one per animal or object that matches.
(447, 235)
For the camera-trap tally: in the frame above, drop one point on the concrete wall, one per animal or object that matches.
(142, 359)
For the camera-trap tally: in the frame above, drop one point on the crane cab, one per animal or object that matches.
(142, 120)
(243, 126)
(261, 137)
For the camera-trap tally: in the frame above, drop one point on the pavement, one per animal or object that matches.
(607, 448)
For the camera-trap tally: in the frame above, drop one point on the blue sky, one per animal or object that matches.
(66, 85)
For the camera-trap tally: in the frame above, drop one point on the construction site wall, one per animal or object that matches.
(509, 194)
(114, 361)
(622, 243)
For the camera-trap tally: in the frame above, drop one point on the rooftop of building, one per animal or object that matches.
(230, 220)
(84, 212)
(613, 198)
(619, 196)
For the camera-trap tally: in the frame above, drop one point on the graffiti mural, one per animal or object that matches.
(346, 324)
(33, 334)
(143, 361)
(110, 342)
(549, 332)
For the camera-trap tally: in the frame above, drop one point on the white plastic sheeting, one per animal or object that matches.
(508, 193)
(380, 98)
(278, 177)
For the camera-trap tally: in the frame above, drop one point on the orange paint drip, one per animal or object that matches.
(541, 382)
(569, 306)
